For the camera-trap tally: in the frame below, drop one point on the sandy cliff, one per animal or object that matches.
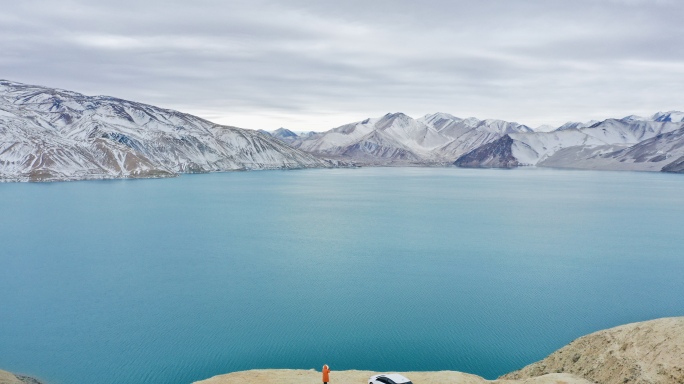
(640, 353)
(8, 378)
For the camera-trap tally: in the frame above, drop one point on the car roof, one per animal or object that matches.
(397, 378)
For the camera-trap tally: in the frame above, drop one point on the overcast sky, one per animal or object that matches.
(314, 65)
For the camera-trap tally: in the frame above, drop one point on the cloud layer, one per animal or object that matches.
(313, 65)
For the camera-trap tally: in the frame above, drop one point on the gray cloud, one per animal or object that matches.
(319, 64)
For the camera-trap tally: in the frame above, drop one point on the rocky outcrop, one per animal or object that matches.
(10, 378)
(650, 352)
(676, 166)
(497, 154)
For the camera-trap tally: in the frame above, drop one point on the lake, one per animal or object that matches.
(387, 269)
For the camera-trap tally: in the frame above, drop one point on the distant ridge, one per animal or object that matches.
(631, 143)
(398, 139)
(635, 143)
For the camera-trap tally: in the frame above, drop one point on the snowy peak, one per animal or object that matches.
(545, 128)
(399, 121)
(394, 137)
(631, 118)
(454, 126)
(629, 143)
(660, 117)
(504, 127)
(439, 121)
(576, 125)
(285, 135)
(667, 117)
(397, 138)
(284, 132)
(438, 118)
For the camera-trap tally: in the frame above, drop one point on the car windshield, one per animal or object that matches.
(385, 380)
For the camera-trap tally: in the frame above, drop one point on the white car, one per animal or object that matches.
(389, 378)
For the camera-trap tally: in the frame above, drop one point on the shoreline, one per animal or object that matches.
(648, 352)
(14, 378)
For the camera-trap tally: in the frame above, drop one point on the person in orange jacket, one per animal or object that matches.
(326, 376)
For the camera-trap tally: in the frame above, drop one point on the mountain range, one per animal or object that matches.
(633, 143)
(397, 139)
(51, 134)
(654, 143)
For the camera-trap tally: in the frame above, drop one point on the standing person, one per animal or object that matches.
(326, 376)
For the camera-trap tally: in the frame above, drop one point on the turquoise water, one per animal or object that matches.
(176, 280)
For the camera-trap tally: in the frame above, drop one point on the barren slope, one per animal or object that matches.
(640, 353)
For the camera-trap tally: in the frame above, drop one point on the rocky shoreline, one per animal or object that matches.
(10, 378)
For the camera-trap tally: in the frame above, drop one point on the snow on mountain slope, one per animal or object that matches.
(576, 125)
(629, 130)
(398, 139)
(654, 154)
(671, 116)
(468, 134)
(380, 145)
(411, 132)
(545, 128)
(52, 134)
(604, 145)
(523, 149)
(392, 139)
(284, 135)
(334, 140)
(530, 148)
(454, 127)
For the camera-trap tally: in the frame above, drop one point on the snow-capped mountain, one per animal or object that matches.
(53, 134)
(576, 125)
(398, 139)
(284, 134)
(393, 138)
(654, 154)
(630, 143)
(545, 128)
(671, 116)
(467, 134)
